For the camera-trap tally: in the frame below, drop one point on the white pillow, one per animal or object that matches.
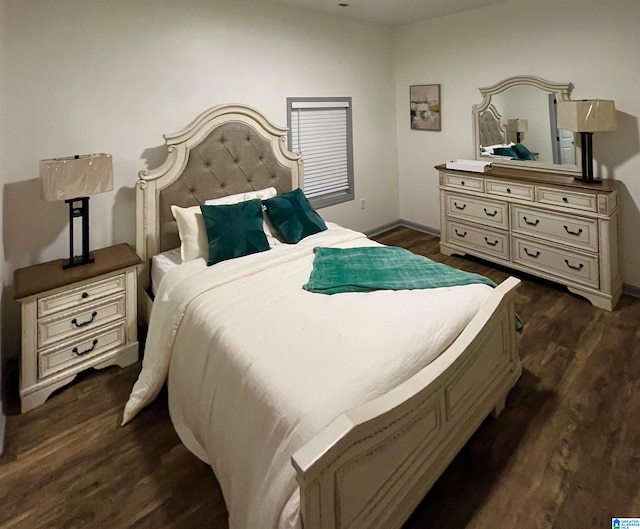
(262, 194)
(489, 148)
(192, 231)
(191, 228)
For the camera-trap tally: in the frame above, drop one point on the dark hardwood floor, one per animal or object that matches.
(565, 453)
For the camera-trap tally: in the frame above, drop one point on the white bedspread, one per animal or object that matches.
(258, 365)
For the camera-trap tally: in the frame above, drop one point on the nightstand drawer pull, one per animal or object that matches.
(576, 233)
(495, 212)
(80, 353)
(93, 317)
(534, 255)
(494, 243)
(459, 207)
(537, 221)
(580, 267)
(464, 234)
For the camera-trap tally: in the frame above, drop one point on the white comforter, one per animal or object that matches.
(258, 365)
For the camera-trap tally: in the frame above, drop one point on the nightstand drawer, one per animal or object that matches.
(568, 199)
(490, 242)
(573, 266)
(565, 229)
(75, 297)
(59, 358)
(74, 323)
(488, 212)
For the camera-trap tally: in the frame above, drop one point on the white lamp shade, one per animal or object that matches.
(75, 177)
(518, 125)
(588, 115)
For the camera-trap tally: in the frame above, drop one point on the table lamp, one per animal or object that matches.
(586, 117)
(73, 179)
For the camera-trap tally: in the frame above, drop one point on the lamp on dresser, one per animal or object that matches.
(73, 179)
(520, 126)
(586, 117)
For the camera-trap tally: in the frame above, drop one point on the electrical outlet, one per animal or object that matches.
(363, 203)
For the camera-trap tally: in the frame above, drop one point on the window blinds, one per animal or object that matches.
(321, 132)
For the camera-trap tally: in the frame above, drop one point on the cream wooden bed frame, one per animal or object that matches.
(372, 466)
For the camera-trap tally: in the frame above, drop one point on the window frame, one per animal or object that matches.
(328, 198)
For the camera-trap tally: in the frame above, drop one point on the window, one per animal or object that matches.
(320, 130)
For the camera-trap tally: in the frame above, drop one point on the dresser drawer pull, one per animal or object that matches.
(494, 243)
(462, 182)
(93, 317)
(565, 199)
(459, 207)
(577, 233)
(80, 353)
(85, 295)
(460, 234)
(535, 255)
(537, 221)
(580, 267)
(490, 214)
(508, 190)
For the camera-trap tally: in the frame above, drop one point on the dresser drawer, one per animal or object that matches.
(472, 183)
(573, 266)
(58, 358)
(78, 296)
(565, 229)
(568, 199)
(488, 212)
(511, 189)
(74, 323)
(491, 242)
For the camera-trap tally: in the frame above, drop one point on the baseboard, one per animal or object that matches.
(631, 290)
(401, 222)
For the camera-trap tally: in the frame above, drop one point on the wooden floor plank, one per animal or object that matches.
(565, 452)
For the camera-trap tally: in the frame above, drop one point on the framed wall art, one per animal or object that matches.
(424, 102)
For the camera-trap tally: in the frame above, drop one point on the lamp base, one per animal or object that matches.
(78, 208)
(594, 181)
(78, 260)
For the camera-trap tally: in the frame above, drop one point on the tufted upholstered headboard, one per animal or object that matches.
(490, 127)
(228, 149)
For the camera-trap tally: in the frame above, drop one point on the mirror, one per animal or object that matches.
(515, 125)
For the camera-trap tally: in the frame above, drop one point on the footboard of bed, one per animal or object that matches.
(372, 466)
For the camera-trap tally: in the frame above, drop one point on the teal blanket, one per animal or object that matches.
(337, 270)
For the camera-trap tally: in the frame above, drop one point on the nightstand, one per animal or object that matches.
(75, 319)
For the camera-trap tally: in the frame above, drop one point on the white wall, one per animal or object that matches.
(590, 43)
(114, 75)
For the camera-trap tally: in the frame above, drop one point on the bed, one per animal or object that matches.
(309, 417)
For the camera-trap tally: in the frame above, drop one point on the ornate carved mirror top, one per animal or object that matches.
(515, 125)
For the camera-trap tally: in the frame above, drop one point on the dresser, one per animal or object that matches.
(540, 222)
(75, 319)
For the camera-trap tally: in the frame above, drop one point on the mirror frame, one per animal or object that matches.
(562, 92)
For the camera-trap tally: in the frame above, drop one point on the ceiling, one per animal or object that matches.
(389, 12)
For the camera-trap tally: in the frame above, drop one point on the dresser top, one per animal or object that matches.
(540, 177)
(47, 276)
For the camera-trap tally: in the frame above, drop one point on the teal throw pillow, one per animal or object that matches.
(293, 217)
(234, 231)
(522, 152)
(506, 151)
